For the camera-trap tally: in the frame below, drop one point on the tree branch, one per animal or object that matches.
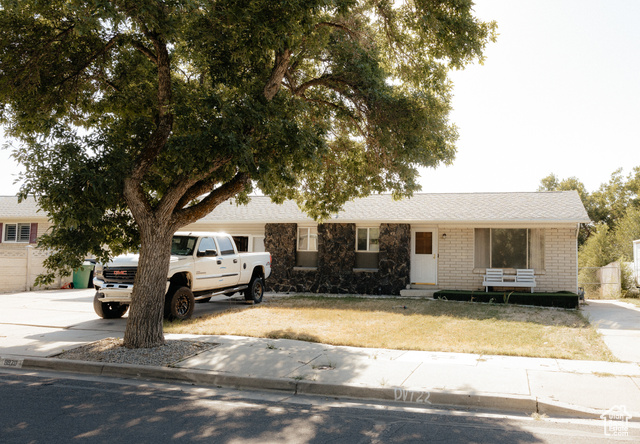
(328, 80)
(181, 192)
(144, 50)
(93, 56)
(134, 194)
(341, 109)
(229, 189)
(165, 117)
(341, 27)
(277, 74)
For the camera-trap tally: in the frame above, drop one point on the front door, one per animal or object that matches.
(424, 256)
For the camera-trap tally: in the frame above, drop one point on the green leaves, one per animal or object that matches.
(358, 99)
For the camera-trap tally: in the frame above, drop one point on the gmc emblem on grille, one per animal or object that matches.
(120, 272)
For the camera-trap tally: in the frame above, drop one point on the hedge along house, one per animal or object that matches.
(413, 246)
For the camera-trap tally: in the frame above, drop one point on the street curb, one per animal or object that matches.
(402, 395)
(160, 374)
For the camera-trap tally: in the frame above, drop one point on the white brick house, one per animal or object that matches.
(450, 240)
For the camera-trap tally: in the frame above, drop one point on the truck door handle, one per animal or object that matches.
(219, 261)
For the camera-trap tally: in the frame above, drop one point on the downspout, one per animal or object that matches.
(577, 264)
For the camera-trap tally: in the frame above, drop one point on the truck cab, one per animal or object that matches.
(203, 264)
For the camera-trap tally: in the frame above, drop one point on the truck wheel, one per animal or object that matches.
(255, 291)
(109, 310)
(179, 304)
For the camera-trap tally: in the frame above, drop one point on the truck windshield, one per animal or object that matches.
(183, 245)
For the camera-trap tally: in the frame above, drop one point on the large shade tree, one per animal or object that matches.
(133, 118)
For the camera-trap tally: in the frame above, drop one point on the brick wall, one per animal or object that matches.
(456, 261)
(560, 261)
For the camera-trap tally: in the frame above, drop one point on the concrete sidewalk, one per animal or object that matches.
(619, 324)
(551, 386)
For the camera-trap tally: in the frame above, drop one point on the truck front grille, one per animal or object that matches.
(120, 274)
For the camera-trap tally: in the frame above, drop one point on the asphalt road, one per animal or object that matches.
(62, 408)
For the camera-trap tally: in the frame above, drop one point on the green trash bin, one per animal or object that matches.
(81, 275)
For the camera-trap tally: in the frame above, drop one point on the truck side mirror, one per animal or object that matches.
(207, 253)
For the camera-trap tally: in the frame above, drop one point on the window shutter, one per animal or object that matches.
(33, 234)
(1, 232)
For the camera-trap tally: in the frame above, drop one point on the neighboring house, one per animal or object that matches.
(20, 226)
(378, 245)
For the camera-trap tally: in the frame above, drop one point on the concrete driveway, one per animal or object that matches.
(45, 323)
(619, 325)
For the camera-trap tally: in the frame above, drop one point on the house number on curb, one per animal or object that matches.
(411, 396)
(14, 363)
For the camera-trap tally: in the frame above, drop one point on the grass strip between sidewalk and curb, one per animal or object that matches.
(410, 324)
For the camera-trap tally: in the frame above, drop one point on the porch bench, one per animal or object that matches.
(494, 277)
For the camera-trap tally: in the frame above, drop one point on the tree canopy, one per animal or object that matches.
(614, 209)
(137, 117)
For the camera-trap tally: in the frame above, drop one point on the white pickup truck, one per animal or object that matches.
(202, 265)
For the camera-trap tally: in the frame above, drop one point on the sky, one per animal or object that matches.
(559, 92)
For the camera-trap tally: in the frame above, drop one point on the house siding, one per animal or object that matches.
(22, 262)
(456, 260)
(335, 271)
(561, 267)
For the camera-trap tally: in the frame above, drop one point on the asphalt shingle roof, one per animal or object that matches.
(27, 209)
(560, 206)
(541, 207)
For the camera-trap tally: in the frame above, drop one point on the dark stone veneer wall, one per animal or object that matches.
(336, 261)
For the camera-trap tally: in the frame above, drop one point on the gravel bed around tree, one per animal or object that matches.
(111, 350)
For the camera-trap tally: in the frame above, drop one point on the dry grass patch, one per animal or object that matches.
(408, 324)
(634, 301)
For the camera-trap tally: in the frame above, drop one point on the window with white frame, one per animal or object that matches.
(17, 232)
(509, 248)
(307, 247)
(307, 238)
(367, 239)
(367, 247)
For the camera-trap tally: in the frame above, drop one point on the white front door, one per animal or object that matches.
(424, 256)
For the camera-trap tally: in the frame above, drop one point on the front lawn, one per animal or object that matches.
(410, 324)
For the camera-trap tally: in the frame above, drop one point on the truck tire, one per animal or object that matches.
(255, 291)
(179, 304)
(109, 310)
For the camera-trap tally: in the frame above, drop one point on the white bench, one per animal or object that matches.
(495, 277)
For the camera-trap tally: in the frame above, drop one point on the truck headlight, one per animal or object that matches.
(98, 271)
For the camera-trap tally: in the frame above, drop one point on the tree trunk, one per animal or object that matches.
(144, 326)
